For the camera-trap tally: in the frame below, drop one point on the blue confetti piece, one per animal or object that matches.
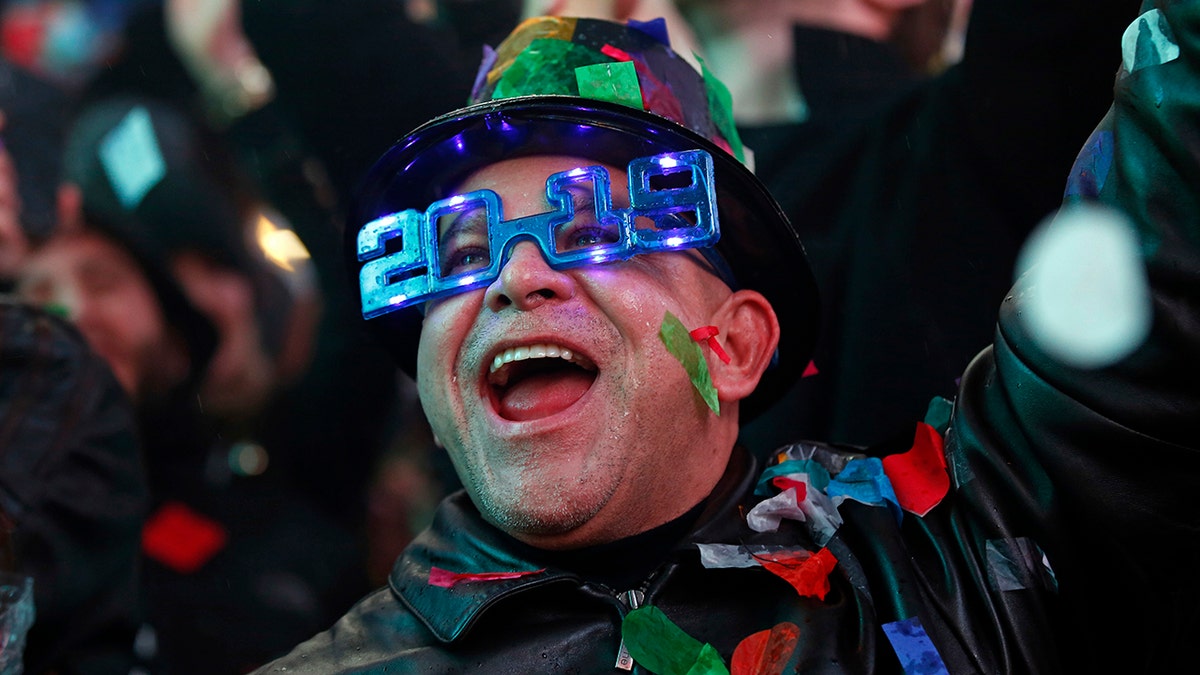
(485, 67)
(818, 476)
(1018, 564)
(864, 480)
(1091, 166)
(131, 158)
(655, 28)
(937, 415)
(913, 647)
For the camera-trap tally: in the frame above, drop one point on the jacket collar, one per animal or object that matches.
(460, 541)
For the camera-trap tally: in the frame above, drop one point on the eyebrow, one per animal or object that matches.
(471, 221)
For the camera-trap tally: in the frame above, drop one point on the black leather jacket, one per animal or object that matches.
(1069, 540)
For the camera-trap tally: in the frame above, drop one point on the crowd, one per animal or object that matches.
(223, 225)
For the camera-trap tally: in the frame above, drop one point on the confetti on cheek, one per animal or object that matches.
(917, 654)
(919, 476)
(447, 579)
(709, 334)
(766, 652)
(662, 647)
(677, 340)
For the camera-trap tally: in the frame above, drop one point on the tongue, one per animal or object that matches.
(543, 394)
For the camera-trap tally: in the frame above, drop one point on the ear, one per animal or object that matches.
(749, 333)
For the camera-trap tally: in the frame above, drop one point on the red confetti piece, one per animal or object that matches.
(447, 579)
(784, 482)
(765, 652)
(709, 333)
(615, 53)
(810, 369)
(809, 575)
(182, 539)
(919, 476)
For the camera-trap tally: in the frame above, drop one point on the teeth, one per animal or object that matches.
(538, 351)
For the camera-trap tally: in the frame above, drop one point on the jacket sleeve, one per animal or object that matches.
(1098, 468)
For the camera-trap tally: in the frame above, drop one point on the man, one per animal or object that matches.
(545, 267)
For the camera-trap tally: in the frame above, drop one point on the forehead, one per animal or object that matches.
(522, 180)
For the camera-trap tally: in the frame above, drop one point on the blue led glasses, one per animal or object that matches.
(461, 243)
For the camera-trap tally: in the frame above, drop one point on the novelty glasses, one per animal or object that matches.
(461, 243)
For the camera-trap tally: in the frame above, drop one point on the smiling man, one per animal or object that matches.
(593, 293)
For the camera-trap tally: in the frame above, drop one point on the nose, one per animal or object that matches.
(527, 281)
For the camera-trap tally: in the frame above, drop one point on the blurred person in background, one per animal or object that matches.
(224, 577)
(73, 498)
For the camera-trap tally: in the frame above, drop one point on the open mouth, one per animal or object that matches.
(539, 380)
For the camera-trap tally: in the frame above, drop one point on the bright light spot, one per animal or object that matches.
(674, 242)
(575, 173)
(280, 245)
(668, 162)
(398, 299)
(1085, 297)
(248, 459)
(456, 200)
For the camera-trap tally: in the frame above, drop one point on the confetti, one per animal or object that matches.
(709, 334)
(766, 652)
(919, 476)
(660, 646)
(447, 579)
(675, 336)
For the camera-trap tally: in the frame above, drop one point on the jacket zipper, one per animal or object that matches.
(631, 600)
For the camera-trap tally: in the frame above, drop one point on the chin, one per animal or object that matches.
(538, 516)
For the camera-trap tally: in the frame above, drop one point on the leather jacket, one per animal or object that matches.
(1067, 542)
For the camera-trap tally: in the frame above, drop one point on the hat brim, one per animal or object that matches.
(761, 247)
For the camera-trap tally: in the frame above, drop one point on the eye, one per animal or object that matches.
(591, 236)
(460, 259)
(579, 235)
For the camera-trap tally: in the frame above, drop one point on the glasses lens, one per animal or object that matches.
(464, 241)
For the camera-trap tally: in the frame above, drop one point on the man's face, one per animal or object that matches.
(105, 293)
(594, 431)
(240, 377)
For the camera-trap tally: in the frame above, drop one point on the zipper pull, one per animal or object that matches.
(631, 600)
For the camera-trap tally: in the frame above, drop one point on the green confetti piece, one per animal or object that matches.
(688, 352)
(720, 105)
(616, 82)
(546, 67)
(58, 310)
(708, 662)
(660, 646)
(937, 415)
